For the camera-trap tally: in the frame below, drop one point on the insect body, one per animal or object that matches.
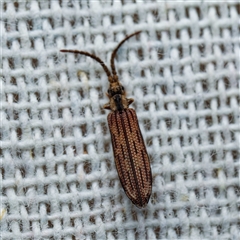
(131, 158)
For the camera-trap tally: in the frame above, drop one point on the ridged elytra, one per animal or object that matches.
(130, 154)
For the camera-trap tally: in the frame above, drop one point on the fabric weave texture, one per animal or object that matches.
(59, 179)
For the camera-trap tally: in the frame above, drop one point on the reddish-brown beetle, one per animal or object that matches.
(131, 158)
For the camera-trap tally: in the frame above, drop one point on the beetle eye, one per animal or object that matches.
(122, 88)
(109, 91)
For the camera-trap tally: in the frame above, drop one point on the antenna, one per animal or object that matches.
(116, 49)
(91, 56)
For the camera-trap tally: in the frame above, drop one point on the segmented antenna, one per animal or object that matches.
(116, 49)
(91, 56)
(100, 61)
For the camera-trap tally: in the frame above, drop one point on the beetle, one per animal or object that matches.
(130, 154)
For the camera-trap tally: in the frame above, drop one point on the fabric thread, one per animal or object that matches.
(59, 179)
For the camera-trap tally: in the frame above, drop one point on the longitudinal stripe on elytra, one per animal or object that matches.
(131, 158)
(125, 128)
(130, 153)
(145, 162)
(121, 170)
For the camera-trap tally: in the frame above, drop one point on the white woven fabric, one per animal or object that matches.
(59, 179)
